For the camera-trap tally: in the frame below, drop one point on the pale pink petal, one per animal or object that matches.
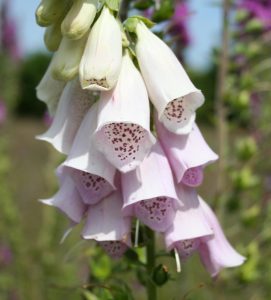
(216, 252)
(185, 151)
(105, 221)
(149, 191)
(115, 249)
(68, 200)
(190, 222)
(92, 188)
(123, 124)
(193, 177)
(86, 158)
(73, 105)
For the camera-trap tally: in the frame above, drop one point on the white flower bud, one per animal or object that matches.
(101, 61)
(66, 60)
(52, 37)
(79, 19)
(49, 11)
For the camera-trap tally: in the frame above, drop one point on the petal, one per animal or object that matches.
(68, 200)
(115, 249)
(216, 252)
(49, 90)
(152, 181)
(73, 105)
(123, 132)
(171, 91)
(105, 221)
(186, 151)
(85, 157)
(101, 61)
(189, 222)
(92, 188)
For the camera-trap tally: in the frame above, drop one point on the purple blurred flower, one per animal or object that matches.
(178, 26)
(260, 9)
(9, 33)
(5, 255)
(3, 112)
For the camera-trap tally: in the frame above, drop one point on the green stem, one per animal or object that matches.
(151, 287)
(220, 102)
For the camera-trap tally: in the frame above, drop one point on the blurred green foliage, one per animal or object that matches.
(42, 269)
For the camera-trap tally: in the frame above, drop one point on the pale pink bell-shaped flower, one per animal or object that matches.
(67, 199)
(101, 62)
(93, 174)
(72, 107)
(189, 224)
(149, 191)
(123, 122)
(216, 252)
(49, 90)
(105, 224)
(187, 154)
(171, 91)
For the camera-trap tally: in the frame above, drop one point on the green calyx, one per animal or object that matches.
(113, 4)
(131, 23)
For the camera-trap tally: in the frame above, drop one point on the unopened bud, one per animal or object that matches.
(160, 275)
(79, 18)
(67, 58)
(49, 11)
(52, 37)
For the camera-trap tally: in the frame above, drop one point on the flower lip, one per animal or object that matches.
(156, 213)
(91, 187)
(179, 114)
(125, 138)
(193, 176)
(95, 84)
(115, 249)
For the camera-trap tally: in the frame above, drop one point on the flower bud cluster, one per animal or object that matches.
(116, 168)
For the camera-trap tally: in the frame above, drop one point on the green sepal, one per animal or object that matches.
(113, 4)
(131, 23)
(160, 275)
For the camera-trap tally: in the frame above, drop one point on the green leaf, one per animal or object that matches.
(164, 12)
(143, 4)
(87, 295)
(101, 267)
(113, 4)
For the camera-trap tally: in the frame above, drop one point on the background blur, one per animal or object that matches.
(33, 263)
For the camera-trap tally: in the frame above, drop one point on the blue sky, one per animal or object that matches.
(204, 26)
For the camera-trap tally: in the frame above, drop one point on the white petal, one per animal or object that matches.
(73, 105)
(49, 90)
(171, 91)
